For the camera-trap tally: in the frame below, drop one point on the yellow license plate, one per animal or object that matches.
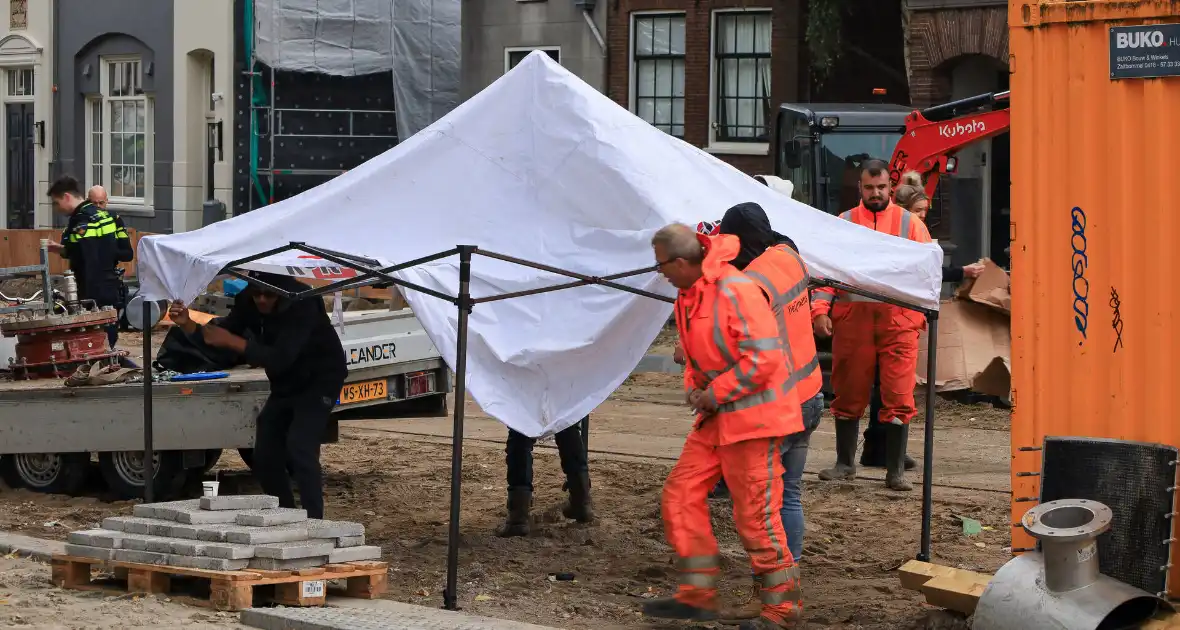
(363, 392)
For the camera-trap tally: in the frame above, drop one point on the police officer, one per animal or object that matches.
(90, 244)
(97, 195)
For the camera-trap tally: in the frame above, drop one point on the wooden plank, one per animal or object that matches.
(954, 593)
(19, 248)
(915, 573)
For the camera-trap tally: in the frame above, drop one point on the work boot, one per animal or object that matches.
(895, 442)
(750, 609)
(873, 458)
(672, 608)
(579, 506)
(517, 523)
(847, 433)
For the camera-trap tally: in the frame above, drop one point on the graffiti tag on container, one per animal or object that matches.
(1116, 321)
(1080, 262)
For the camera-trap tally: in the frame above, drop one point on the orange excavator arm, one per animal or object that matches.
(933, 136)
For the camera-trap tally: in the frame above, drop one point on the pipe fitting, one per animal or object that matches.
(1068, 530)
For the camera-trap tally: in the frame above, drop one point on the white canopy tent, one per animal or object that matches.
(542, 167)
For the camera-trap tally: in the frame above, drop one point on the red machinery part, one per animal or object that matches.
(53, 346)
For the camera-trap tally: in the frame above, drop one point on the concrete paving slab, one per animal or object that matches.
(165, 510)
(317, 528)
(197, 516)
(141, 557)
(105, 538)
(263, 535)
(29, 547)
(350, 541)
(240, 502)
(274, 564)
(85, 551)
(295, 549)
(188, 547)
(355, 554)
(141, 542)
(209, 564)
(375, 614)
(268, 518)
(228, 551)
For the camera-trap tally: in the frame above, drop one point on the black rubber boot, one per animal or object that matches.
(579, 506)
(517, 523)
(895, 443)
(672, 608)
(847, 432)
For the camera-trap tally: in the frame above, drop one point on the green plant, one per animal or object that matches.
(824, 21)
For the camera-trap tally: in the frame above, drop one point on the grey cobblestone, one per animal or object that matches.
(167, 510)
(206, 533)
(209, 564)
(294, 549)
(353, 554)
(382, 615)
(274, 564)
(188, 547)
(350, 541)
(138, 525)
(240, 502)
(105, 538)
(317, 528)
(141, 557)
(197, 516)
(267, 518)
(86, 551)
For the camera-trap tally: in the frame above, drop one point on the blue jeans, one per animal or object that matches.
(794, 459)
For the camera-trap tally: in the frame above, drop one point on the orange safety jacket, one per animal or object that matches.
(783, 276)
(733, 351)
(893, 220)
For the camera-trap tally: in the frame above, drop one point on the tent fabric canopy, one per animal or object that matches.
(542, 167)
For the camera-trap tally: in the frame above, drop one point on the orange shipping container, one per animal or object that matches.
(1095, 230)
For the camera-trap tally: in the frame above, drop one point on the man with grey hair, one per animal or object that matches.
(97, 195)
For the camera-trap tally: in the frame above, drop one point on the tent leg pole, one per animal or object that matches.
(450, 595)
(149, 469)
(586, 438)
(928, 446)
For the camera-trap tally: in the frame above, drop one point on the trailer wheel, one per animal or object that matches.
(123, 472)
(51, 473)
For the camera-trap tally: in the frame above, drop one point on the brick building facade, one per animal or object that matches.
(939, 38)
(699, 69)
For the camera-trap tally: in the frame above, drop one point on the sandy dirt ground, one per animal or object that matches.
(27, 600)
(393, 475)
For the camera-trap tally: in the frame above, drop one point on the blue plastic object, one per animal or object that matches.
(233, 287)
(200, 376)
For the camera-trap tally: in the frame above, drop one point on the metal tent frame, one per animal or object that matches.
(371, 272)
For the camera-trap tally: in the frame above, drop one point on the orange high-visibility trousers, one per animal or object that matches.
(867, 335)
(753, 471)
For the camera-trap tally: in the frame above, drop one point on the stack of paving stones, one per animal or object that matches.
(227, 533)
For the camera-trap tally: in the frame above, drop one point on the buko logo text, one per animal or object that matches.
(1143, 39)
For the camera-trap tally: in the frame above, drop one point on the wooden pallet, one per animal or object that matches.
(229, 590)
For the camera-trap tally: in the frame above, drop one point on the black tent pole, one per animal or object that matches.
(928, 452)
(149, 453)
(586, 437)
(450, 595)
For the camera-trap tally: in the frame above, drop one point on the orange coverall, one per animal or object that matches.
(733, 352)
(790, 303)
(867, 333)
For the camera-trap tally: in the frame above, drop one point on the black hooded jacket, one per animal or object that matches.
(295, 344)
(748, 222)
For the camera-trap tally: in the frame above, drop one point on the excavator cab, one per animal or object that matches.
(819, 148)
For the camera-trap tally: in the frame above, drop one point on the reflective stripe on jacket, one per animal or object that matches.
(733, 351)
(782, 275)
(894, 221)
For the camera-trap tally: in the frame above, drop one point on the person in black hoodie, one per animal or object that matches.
(304, 361)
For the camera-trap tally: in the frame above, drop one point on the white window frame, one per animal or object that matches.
(129, 205)
(511, 49)
(631, 73)
(732, 148)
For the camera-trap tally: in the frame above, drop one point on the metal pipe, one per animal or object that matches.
(1068, 530)
(594, 29)
(573, 274)
(149, 453)
(835, 284)
(450, 594)
(928, 442)
(71, 289)
(46, 283)
(586, 438)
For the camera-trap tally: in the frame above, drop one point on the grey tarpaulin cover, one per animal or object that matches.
(418, 40)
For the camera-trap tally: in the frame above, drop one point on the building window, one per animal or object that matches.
(120, 135)
(657, 71)
(20, 82)
(513, 56)
(741, 77)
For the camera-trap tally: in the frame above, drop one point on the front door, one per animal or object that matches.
(19, 133)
